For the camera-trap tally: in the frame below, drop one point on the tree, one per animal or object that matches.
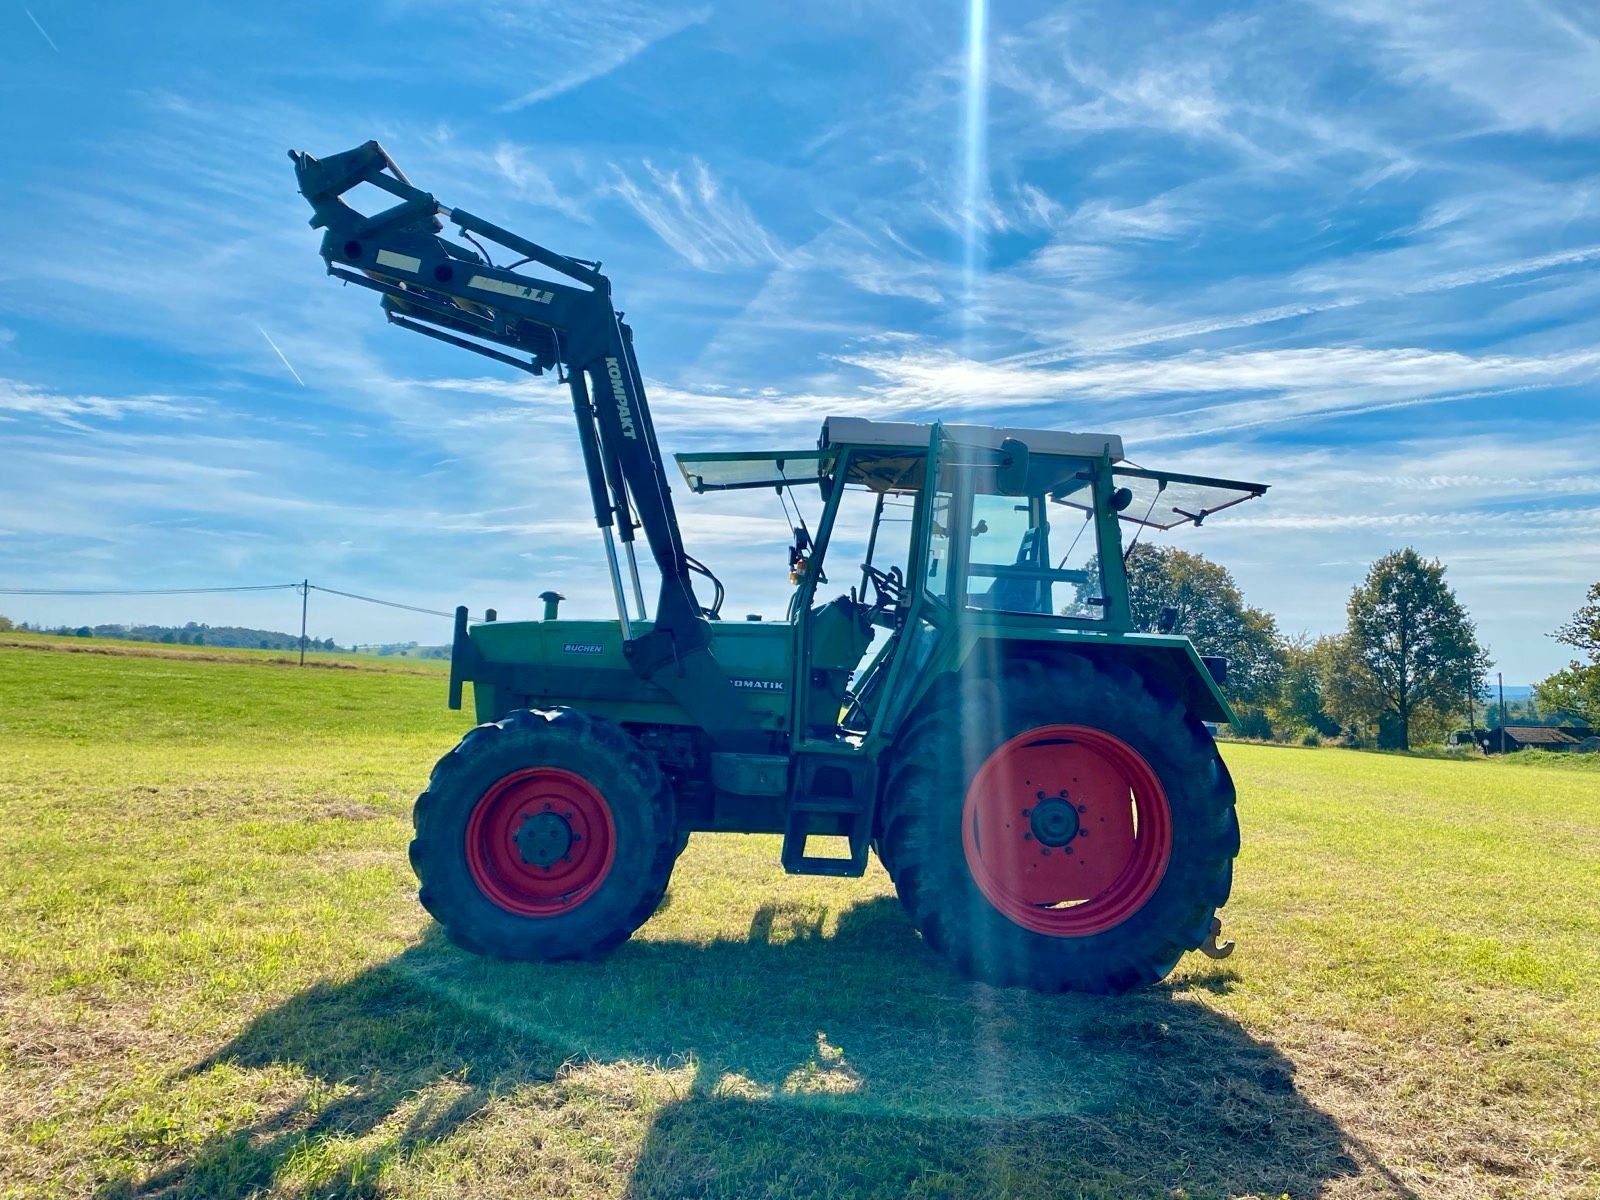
(1583, 631)
(1301, 703)
(1410, 656)
(1576, 690)
(1211, 612)
(5, 624)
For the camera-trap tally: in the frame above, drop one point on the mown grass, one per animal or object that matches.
(215, 981)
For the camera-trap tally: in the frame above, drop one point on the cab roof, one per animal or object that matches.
(858, 431)
(1162, 499)
(904, 445)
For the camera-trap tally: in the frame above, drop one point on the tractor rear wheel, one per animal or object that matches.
(547, 835)
(1063, 826)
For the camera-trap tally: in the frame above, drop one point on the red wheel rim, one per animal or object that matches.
(540, 841)
(1067, 830)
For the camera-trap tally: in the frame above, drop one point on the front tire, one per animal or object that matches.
(1060, 825)
(547, 835)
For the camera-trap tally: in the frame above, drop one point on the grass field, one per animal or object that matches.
(215, 981)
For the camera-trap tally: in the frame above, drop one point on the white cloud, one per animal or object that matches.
(1154, 220)
(1206, 84)
(25, 399)
(1328, 287)
(711, 229)
(1292, 384)
(1523, 63)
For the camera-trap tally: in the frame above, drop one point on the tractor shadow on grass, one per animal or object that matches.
(824, 1054)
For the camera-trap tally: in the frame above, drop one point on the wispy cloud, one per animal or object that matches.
(23, 399)
(1524, 64)
(1201, 83)
(1155, 220)
(713, 230)
(1362, 281)
(1199, 393)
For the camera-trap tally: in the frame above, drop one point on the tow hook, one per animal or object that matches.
(1211, 947)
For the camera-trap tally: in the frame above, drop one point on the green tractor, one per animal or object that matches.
(974, 705)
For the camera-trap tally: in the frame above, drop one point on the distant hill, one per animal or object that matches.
(194, 634)
(237, 637)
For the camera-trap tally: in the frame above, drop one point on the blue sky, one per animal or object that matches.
(1345, 248)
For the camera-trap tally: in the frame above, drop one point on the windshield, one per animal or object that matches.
(1018, 561)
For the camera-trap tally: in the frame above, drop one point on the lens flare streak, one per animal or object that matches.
(975, 167)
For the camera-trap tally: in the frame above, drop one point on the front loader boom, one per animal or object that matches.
(456, 294)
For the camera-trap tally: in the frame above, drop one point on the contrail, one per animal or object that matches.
(40, 28)
(279, 353)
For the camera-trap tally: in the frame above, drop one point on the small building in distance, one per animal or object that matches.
(1562, 738)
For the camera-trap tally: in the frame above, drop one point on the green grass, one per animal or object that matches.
(215, 981)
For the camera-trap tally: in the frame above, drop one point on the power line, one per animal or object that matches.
(264, 587)
(261, 587)
(432, 612)
(305, 587)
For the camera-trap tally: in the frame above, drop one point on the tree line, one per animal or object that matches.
(233, 636)
(1407, 667)
(190, 634)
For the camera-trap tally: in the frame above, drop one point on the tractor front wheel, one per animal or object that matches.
(1060, 825)
(547, 835)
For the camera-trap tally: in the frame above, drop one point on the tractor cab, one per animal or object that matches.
(1017, 538)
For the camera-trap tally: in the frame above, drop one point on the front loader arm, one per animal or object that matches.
(455, 293)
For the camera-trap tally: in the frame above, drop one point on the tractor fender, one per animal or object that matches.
(1168, 663)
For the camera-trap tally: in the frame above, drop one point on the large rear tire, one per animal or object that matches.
(547, 835)
(1059, 825)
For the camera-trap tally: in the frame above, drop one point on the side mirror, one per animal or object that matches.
(1168, 620)
(1013, 477)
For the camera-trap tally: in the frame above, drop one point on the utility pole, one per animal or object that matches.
(305, 598)
(1500, 678)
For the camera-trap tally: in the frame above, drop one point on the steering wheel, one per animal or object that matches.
(889, 591)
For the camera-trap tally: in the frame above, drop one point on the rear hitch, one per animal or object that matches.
(1211, 947)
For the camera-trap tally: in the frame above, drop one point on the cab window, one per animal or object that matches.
(1018, 562)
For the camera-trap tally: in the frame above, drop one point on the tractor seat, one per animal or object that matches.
(1012, 593)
